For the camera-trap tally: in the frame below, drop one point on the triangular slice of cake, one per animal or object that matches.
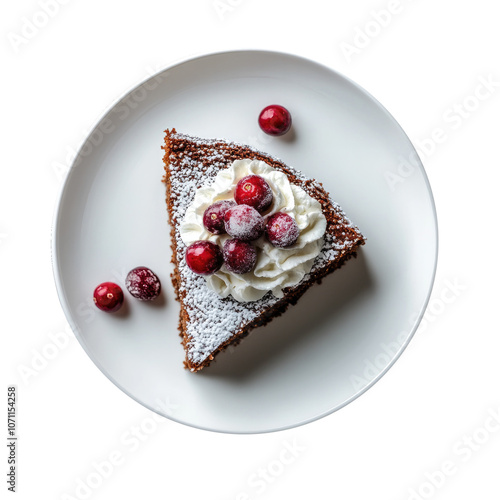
(210, 322)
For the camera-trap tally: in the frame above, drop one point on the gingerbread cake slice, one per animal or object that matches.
(218, 311)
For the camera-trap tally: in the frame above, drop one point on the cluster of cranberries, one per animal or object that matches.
(141, 282)
(242, 220)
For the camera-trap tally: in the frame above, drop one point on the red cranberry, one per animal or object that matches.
(240, 257)
(204, 257)
(275, 120)
(213, 218)
(254, 191)
(143, 284)
(244, 222)
(282, 230)
(108, 297)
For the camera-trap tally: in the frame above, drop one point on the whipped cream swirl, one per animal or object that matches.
(276, 268)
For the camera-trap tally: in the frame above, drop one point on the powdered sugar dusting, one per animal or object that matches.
(282, 230)
(213, 321)
(143, 284)
(244, 222)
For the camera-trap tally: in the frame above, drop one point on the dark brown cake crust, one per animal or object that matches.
(346, 238)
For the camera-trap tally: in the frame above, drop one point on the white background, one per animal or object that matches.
(431, 412)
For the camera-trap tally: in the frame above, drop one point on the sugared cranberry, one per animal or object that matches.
(275, 120)
(282, 230)
(244, 222)
(254, 191)
(108, 297)
(204, 257)
(239, 256)
(143, 284)
(213, 218)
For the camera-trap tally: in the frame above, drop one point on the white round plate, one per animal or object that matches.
(341, 336)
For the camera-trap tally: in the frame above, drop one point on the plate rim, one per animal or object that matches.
(64, 186)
